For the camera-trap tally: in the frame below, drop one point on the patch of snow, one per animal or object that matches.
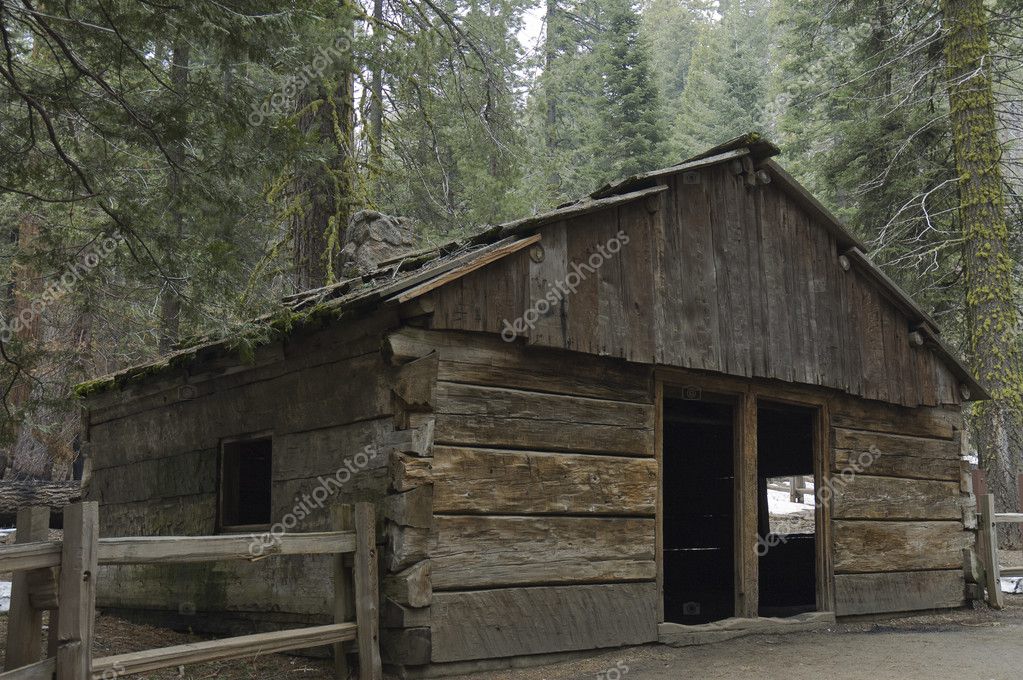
(5, 596)
(779, 504)
(1012, 584)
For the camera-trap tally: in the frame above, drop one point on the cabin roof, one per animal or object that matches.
(404, 278)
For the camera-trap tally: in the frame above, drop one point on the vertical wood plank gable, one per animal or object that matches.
(551, 329)
(700, 309)
(726, 278)
(732, 275)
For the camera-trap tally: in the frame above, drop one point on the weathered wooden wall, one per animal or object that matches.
(539, 499)
(519, 483)
(543, 486)
(901, 512)
(155, 449)
(716, 275)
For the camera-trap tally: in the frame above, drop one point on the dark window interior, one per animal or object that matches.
(698, 524)
(245, 483)
(785, 448)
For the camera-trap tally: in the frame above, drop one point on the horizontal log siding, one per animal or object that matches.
(897, 508)
(544, 489)
(155, 451)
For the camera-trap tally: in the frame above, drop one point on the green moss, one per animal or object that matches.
(90, 387)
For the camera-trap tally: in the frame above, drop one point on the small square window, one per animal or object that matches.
(245, 482)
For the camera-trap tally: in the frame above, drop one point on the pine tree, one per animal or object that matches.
(863, 120)
(674, 28)
(569, 94)
(630, 135)
(454, 136)
(726, 91)
(707, 112)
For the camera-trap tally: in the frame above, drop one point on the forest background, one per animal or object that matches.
(171, 170)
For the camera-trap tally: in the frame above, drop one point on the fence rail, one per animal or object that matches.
(60, 576)
(987, 546)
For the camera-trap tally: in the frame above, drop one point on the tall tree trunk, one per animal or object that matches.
(326, 191)
(376, 121)
(551, 45)
(27, 285)
(992, 316)
(170, 295)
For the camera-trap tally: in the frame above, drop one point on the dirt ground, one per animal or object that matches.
(116, 636)
(961, 645)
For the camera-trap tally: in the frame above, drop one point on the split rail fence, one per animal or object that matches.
(60, 577)
(987, 547)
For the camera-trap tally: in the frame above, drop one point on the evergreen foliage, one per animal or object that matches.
(218, 149)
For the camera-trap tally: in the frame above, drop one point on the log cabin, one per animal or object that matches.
(570, 425)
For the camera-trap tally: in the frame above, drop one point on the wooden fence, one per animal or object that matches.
(987, 547)
(61, 577)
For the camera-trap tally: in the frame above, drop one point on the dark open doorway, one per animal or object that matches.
(787, 541)
(698, 514)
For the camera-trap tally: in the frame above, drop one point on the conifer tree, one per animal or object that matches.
(725, 93)
(630, 133)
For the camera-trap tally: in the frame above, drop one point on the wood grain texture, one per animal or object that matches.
(221, 370)
(884, 546)
(222, 588)
(867, 497)
(313, 399)
(301, 455)
(497, 481)
(32, 555)
(487, 360)
(857, 440)
(221, 650)
(410, 509)
(488, 551)
(79, 566)
(485, 299)
(472, 415)
(896, 465)
(24, 621)
(367, 593)
(185, 474)
(725, 276)
(186, 549)
(40, 670)
(857, 594)
(412, 587)
(517, 621)
(550, 329)
(747, 595)
(861, 414)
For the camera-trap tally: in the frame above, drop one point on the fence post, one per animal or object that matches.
(78, 574)
(366, 593)
(24, 621)
(341, 519)
(989, 549)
